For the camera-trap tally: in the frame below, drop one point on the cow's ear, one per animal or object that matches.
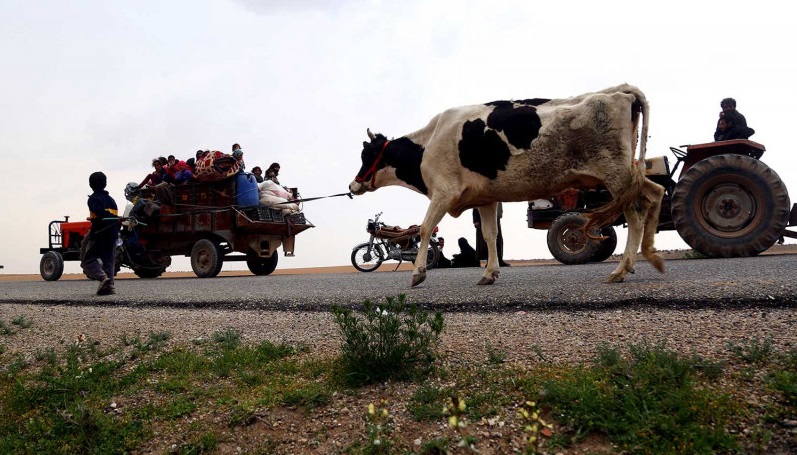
(366, 144)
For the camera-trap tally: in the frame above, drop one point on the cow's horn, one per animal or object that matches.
(370, 134)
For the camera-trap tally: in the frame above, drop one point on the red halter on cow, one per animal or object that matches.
(476, 156)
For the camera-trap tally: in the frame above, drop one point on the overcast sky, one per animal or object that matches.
(109, 85)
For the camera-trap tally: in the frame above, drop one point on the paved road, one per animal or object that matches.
(763, 281)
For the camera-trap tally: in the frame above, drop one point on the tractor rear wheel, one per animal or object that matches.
(568, 242)
(51, 266)
(730, 206)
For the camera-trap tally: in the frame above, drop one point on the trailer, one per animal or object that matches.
(210, 222)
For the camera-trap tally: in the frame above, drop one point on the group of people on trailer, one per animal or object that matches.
(214, 165)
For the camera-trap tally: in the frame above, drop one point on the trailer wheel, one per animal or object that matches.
(51, 266)
(730, 206)
(151, 272)
(606, 247)
(567, 241)
(262, 266)
(206, 259)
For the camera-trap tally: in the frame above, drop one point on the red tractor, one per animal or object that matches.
(724, 203)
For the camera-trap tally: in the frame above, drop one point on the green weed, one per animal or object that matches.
(392, 340)
(647, 402)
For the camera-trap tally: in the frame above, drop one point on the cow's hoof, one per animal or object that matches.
(615, 278)
(657, 262)
(418, 279)
(489, 278)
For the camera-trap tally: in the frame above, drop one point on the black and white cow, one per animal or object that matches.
(476, 156)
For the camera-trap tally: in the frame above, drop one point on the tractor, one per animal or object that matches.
(725, 202)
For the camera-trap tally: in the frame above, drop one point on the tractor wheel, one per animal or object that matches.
(206, 259)
(730, 206)
(262, 266)
(51, 266)
(567, 241)
(606, 247)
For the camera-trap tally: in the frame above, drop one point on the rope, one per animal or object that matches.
(294, 201)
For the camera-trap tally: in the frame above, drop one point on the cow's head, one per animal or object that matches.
(372, 161)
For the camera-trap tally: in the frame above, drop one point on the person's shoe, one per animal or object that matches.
(106, 287)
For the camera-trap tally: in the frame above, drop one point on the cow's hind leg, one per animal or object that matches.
(654, 193)
(643, 220)
(433, 216)
(489, 227)
(628, 260)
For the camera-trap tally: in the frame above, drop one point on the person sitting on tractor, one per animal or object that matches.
(731, 124)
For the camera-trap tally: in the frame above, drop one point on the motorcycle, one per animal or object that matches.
(392, 243)
(132, 254)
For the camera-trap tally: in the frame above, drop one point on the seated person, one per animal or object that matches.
(442, 261)
(238, 154)
(157, 177)
(179, 171)
(258, 173)
(466, 256)
(731, 124)
(272, 172)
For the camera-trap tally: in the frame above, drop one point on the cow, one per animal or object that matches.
(511, 151)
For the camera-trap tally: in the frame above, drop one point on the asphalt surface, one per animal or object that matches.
(758, 282)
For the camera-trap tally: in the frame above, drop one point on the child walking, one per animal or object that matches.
(98, 250)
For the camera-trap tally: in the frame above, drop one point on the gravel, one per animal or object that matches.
(559, 313)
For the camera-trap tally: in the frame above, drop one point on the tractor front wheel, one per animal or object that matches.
(51, 266)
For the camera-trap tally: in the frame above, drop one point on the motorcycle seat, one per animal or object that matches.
(397, 232)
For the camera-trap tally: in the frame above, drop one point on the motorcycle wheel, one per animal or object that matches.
(366, 261)
(432, 256)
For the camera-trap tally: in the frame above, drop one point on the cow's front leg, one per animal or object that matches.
(433, 216)
(489, 227)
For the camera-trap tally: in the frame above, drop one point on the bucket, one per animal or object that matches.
(246, 191)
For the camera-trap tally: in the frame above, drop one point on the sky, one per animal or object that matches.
(104, 85)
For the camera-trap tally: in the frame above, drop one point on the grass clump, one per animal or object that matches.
(648, 402)
(393, 340)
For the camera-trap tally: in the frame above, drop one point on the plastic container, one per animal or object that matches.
(246, 191)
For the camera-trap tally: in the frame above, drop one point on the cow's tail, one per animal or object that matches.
(606, 215)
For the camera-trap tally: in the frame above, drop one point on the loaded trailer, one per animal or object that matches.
(210, 222)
